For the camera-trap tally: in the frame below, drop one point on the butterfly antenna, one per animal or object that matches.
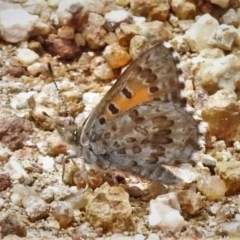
(51, 72)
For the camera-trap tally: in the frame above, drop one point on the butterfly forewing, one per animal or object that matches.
(141, 123)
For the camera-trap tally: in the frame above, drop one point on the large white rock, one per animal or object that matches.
(165, 213)
(199, 33)
(16, 24)
(15, 169)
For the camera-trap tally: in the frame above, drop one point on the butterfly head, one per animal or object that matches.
(69, 130)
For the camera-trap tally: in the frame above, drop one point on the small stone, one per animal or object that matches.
(212, 187)
(70, 169)
(36, 47)
(236, 146)
(82, 229)
(66, 32)
(94, 31)
(90, 100)
(221, 3)
(138, 45)
(96, 178)
(16, 71)
(198, 34)
(41, 29)
(163, 210)
(95, 36)
(230, 18)
(230, 229)
(155, 189)
(135, 192)
(160, 13)
(186, 172)
(35, 7)
(125, 32)
(153, 236)
(183, 9)
(20, 100)
(79, 40)
(64, 48)
(47, 163)
(47, 195)
(222, 111)
(220, 73)
(5, 181)
(12, 225)
(230, 173)
(95, 19)
(54, 224)
(15, 169)
(179, 43)
(154, 31)
(26, 56)
(116, 56)
(67, 10)
(208, 160)
(16, 199)
(139, 237)
(46, 123)
(35, 207)
(36, 68)
(4, 154)
(62, 213)
(190, 201)
(103, 72)
(223, 37)
(227, 212)
(14, 131)
(1, 203)
(117, 16)
(122, 3)
(224, 155)
(101, 213)
(215, 207)
(140, 8)
(212, 53)
(79, 199)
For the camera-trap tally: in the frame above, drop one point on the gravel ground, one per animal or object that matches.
(43, 194)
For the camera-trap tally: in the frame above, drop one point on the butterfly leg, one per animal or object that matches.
(76, 174)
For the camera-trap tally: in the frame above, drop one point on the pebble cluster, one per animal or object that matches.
(88, 43)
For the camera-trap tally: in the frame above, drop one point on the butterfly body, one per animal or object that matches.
(142, 124)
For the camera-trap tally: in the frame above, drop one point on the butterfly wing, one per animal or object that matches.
(141, 123)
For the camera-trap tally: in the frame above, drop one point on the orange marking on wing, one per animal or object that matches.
(140, 95)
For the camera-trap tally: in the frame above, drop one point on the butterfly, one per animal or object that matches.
(141, 125)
